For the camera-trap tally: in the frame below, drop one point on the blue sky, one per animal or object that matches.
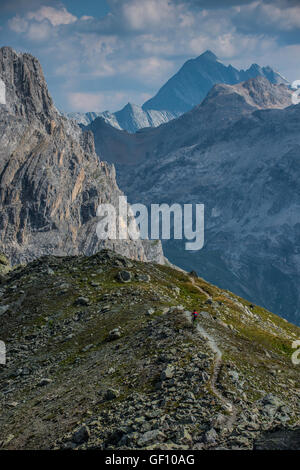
(100, 54)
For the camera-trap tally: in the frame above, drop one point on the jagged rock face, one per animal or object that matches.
(51, 180)
(242, 163)
(27, 95)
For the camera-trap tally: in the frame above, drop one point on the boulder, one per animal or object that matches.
(210, 436)
(111, 394)
(124, 276)
(43, 382)
(167, 373)
(114, 334)
(81, 435)
(151, 437)
(143, 277)
(82, 301)
(150, 311)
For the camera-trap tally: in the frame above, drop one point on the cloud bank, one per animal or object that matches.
(94, 62)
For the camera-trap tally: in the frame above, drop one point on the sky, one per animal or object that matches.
(101, 54)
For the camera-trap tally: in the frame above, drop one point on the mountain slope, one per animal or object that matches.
(112, 365)
(241, 162)
(51, 180)
(189, 86)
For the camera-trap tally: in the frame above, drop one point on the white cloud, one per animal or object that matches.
(56, 16)
(18, 24)
(109, 100)
(141, 43)
(286, 61)
(141, 15)
(85, 102)
(150, 70)
(37, 24)
(86, 18)
(268, 17)
(285, 19)
(38, 31)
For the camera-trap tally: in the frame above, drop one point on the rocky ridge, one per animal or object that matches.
(131, 118)
(101, 354)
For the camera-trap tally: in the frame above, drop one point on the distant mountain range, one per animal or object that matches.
(187, 88)
(131, 118)
(121, 148)
(238, 153)
(190, 85)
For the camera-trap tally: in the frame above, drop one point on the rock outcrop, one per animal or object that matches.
(4, 264)
(51, 180)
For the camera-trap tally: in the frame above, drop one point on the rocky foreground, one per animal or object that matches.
(101, 354)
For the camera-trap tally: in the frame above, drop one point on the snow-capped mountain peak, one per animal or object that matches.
(186, 89)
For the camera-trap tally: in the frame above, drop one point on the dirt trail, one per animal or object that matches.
(217, 364)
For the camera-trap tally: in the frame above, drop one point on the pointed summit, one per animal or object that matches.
(190, 85)
(186, 89)
(25, 86)
(129, 107)
(208, 55)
